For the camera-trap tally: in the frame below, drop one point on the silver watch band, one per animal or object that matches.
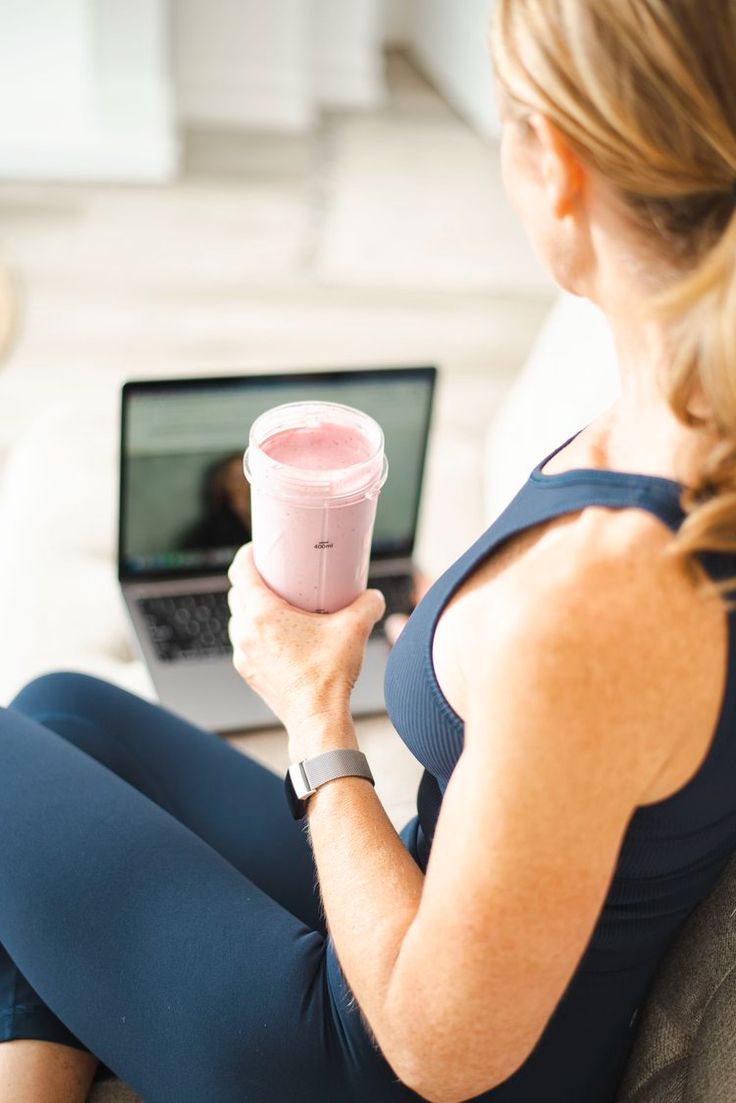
(307, 776)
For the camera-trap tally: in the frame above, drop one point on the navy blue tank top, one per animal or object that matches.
(673, 850)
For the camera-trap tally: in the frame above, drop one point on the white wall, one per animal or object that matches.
(347, 58)
(84, 91)
(86, 88)
(397, 18)
(450, 41)
(257, 64)
(244, 65)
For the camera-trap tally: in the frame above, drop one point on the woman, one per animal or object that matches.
(569, 686)
(225, 507)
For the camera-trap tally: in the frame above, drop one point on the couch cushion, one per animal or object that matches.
(685, 1050)
(58, 584)
(112, 1091)
(570, 378)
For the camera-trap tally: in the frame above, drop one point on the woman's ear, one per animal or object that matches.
(562, 171)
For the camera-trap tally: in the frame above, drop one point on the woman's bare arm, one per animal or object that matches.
(571, 691)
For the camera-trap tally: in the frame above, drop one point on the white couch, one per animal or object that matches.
(58, 502)
(569, 378)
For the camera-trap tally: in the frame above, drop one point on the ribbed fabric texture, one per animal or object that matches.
(673, 851)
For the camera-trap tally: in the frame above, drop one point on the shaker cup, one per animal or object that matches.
(315, 470)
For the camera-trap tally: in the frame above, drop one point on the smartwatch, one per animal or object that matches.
(303, 779)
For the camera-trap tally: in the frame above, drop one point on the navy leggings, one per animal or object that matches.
(158, 907)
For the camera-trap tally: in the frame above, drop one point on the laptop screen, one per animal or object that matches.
(184, 500)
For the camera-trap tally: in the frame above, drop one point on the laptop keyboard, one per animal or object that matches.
(187, 626)
(194, 626)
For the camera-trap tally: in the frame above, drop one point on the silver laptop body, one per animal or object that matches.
(184, 511)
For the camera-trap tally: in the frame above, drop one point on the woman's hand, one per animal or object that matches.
(303, 665)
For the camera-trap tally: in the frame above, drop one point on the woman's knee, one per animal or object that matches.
(60, 692)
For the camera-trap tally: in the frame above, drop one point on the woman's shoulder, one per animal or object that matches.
(603, 548)
(608, 572)
(599, 615)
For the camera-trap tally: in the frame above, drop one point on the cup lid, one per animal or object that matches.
(320, 486)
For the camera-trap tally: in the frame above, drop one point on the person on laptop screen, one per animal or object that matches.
(568, 685)
(225, 504)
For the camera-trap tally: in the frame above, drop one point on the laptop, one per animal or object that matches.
(184, 510)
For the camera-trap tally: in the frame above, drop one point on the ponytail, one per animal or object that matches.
(701, 314)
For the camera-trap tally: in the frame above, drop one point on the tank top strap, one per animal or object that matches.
(659, 495)
(545, 497)
(542, 498)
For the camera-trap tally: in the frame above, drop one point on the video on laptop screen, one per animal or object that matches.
(185, 502)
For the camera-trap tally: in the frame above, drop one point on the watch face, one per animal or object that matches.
(297, 806)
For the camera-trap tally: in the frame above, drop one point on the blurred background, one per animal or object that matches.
(191, 187)
(208, 186)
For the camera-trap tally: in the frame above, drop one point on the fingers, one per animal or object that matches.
(248, 590)
(368, 608)
(251, 597)
(372, 605)
(242, 566)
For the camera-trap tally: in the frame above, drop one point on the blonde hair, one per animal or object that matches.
(644, 91)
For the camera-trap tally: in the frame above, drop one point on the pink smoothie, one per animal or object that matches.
(314, 497)
(323, 447)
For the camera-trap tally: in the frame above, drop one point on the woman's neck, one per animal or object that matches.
(640, 431)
